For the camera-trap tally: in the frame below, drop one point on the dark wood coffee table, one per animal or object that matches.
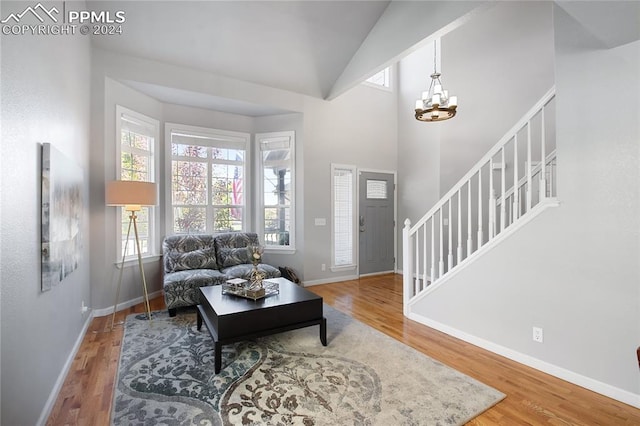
(231, 318)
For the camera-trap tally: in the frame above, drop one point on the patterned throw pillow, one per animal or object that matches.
(233, 256)
(197, 259)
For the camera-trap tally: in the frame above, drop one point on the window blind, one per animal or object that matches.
(343, 207)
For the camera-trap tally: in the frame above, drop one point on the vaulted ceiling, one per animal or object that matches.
(300, 46)
(315, 48)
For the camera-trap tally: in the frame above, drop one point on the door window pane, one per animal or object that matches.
(376, 189)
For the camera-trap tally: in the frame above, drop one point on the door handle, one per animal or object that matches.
(361, 223)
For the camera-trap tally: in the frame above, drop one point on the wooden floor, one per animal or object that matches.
(532, 397)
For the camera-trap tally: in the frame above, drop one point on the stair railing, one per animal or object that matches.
(481, 206)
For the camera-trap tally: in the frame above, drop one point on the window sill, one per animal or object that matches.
(377, 86)
(134, 261)
(274, 250)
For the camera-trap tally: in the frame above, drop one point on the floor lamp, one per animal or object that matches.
(131, 195)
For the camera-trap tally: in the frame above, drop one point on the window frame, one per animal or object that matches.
(354, 226)
(275, 137)
(153, 246)
(388, 77)
(229, 140)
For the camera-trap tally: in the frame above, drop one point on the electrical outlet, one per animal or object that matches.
(84, 308)
(537, 334)
(323, 267)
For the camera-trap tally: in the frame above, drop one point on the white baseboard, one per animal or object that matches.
(554, 370)
(129, 303)
(373, 274)
(53, 396)
(330, 280)
(343, 278)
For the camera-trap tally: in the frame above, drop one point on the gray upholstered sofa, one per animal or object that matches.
(193, 261)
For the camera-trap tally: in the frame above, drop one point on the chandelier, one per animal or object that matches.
(436, 104)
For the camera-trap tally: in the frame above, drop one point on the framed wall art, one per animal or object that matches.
(62, 210)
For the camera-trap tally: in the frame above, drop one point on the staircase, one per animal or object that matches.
(510, 185)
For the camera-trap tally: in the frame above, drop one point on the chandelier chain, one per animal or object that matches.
(434, 57)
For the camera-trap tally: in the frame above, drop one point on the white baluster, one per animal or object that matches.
(450, 257)
(406, 266)
(552, 174)
(424, 256)
(511, 218)
(543, 149)
(441, 263)
(529, 192)
(433, 248)
(459, 253)
(503, 206)
(417, 265)
(492, 202)
(480, 236)
(469, 239)
(516, 191)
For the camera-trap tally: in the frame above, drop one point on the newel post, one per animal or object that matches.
(407, 267)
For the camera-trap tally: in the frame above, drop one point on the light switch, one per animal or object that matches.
(321, 221)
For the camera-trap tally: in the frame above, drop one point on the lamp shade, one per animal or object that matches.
(127, 193)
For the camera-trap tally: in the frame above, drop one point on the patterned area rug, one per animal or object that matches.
(362, 377)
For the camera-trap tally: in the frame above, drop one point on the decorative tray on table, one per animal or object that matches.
(243, 288)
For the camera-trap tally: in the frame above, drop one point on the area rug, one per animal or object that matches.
(362, 377)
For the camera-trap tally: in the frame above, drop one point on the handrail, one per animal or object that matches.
(430, 251)
(488, 156)
(534, 171)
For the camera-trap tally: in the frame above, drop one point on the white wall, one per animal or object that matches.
(123, 67)
(500, 61)
(45, 98)
(105, 261)
(418, 142)
(358, 128)
(575, 269)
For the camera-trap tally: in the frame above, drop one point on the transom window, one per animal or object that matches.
(381, 79)
(208, 175)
